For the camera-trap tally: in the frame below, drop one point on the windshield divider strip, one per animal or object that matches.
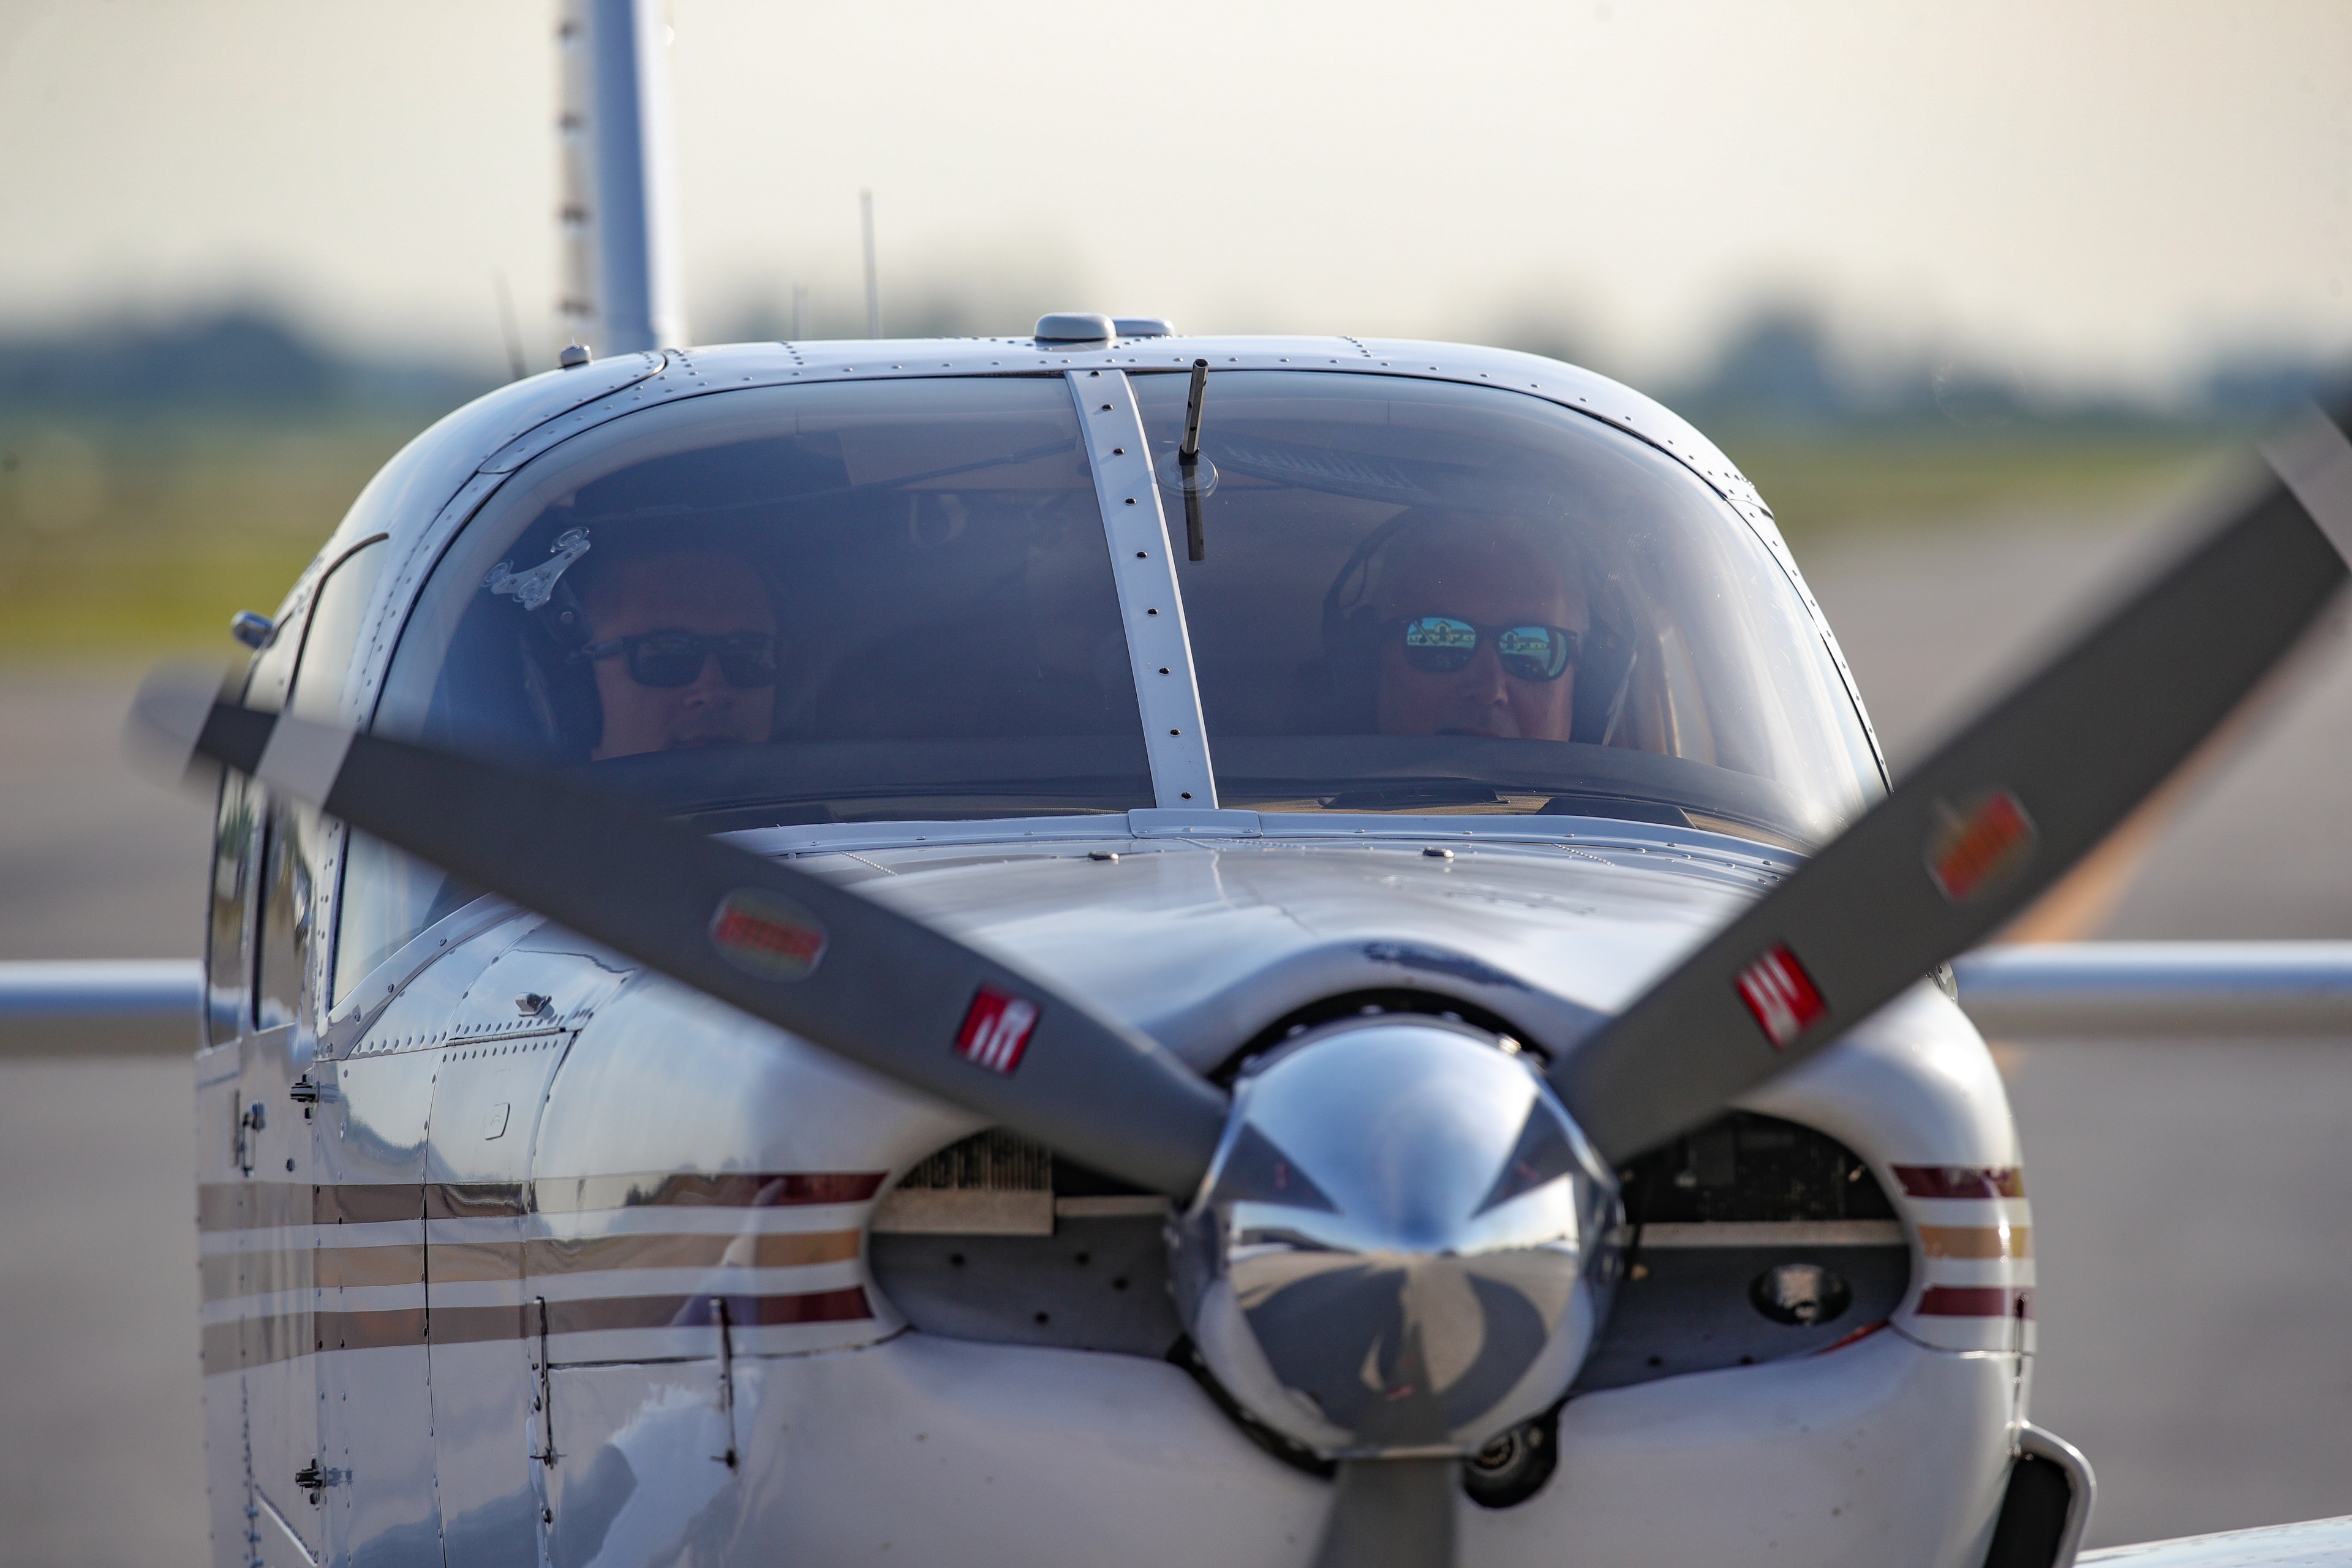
(1150, 605)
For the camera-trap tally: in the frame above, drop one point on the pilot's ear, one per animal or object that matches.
(565, 618)
(562, 699)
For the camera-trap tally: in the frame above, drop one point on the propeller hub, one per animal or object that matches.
(1403, 1245)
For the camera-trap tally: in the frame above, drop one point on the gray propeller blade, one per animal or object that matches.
(836, 968)
(1390, 1514)
(1985, 824)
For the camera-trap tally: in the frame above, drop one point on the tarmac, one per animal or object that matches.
(2192, 1208)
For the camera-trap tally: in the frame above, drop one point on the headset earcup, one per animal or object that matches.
(561, 697)
(1601, 673)
(1353, 657)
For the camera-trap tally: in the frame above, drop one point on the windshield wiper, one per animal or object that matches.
(1188, 464)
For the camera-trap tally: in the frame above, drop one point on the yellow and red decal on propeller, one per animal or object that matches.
(1980, 846)
(767, 934)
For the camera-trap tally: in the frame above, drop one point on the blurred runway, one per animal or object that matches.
(2192, 1204)
(2192, 1208)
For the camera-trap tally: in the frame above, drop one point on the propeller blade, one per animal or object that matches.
(1390, 1514)
(1984, 826)
(836, 968)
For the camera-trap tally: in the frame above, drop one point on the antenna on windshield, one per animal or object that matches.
(1188, 464)
(873, 287)
(508, 327)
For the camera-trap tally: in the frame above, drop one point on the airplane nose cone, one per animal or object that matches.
(1404, 1244)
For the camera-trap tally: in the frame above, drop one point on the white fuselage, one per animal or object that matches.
(554, 1259)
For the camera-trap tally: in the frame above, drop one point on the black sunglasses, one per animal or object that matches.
(677, 657)
(1440, 645)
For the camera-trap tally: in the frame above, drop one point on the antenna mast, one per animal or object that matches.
(873, 286)
(620, 215)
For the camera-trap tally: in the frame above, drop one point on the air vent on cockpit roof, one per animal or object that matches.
(1079, 328)
(1075, 327)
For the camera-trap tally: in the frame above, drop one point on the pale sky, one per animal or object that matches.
(2072, 188)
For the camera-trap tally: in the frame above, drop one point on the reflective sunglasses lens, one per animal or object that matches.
(667, 658)
(1439, 644)
(1534, 653)
(747, 658)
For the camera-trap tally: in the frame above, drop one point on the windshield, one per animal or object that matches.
(893, 600)
(877, 600)
(804, 603)
(1422, 597)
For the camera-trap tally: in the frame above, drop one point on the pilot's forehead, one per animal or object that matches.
(708, 578)
(1506, 565)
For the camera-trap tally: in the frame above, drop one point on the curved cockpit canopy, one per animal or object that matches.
(866, 601)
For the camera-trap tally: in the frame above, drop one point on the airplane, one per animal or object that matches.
(1115, 945)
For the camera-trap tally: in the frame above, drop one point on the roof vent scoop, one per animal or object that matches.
(1075, 327)
(1144, 326)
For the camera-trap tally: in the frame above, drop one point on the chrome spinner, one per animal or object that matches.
(1403, 1246)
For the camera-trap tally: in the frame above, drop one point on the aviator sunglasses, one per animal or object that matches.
(1440, 645)
(672, 658)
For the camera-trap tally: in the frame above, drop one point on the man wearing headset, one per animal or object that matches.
(683, 645)
(1481, 622)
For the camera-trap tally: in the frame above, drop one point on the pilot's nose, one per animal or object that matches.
(1483, 680)
(707, 681)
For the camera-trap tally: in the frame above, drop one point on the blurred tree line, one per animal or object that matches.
(156, 477)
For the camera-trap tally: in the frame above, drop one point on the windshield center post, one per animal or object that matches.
(1150, 602)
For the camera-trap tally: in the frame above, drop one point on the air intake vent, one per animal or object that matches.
(992, 1184)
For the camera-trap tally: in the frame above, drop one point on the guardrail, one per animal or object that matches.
(106, 1007)
(2078, 990)
(2159, 990)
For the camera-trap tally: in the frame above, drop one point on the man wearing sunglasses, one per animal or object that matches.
(684, 650)
(1481, 625)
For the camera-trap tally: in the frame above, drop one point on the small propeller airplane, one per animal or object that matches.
(1115, 946)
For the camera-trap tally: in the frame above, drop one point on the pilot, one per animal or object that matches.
(1480, 620)
(683, 645)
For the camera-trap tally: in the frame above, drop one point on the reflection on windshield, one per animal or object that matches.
(1423, 596)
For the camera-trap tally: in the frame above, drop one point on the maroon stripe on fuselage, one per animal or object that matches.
(272, 1206)
(590, 1316)
(368, 1203)
(371, 1330)
(475, 1325)
(1961, 1180)
(254, 1341)
(477, 1200)
(1976, 1301)
(690, 1189)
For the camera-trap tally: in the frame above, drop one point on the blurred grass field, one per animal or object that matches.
(129, 539)
(1822, 484)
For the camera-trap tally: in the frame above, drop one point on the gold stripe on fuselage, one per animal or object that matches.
(304, 1214)
(1977, 1241)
